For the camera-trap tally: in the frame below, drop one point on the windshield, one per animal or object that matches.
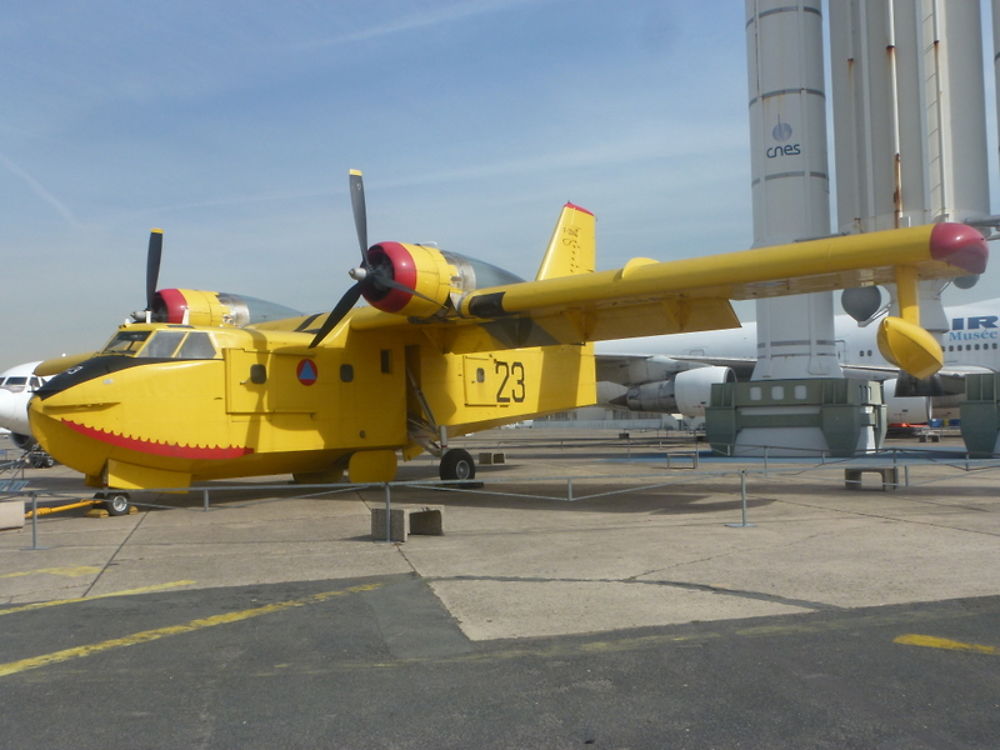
(126, 342)
(178, 345)
(163, 344)
(15, 383)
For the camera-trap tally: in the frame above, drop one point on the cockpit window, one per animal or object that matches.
(126, 342)
(162, 345)
(198, 345)
(15, 383)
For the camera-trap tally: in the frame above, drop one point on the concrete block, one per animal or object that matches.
(12, 514)
(890, 477)
(407, 519)
(489, 458)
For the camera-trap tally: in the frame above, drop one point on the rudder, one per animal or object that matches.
(573, 247)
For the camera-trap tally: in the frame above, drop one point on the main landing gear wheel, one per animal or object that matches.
(116, 503)
(457, 464)
(41, 460)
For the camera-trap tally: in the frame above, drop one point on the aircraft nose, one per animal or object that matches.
(13, 414)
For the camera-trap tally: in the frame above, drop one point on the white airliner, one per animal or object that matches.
(17, 385)
(674, 374)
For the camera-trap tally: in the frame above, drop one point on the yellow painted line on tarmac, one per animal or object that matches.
(78, 599)
(145, 636)
(75, 572)
(929, 641)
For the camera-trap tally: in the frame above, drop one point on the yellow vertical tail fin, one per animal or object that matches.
(573, 247)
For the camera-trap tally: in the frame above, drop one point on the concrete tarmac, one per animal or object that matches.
(575, 537)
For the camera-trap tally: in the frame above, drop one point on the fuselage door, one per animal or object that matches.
(246, 381)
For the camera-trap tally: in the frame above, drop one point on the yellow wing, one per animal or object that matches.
(646, 297)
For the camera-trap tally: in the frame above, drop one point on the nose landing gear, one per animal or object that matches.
(115, 502)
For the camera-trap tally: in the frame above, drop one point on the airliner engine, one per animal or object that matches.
(688, 393)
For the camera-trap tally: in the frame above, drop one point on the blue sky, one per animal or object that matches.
(232, 125)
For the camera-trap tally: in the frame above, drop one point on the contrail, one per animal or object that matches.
(39, 189)
(423, 19)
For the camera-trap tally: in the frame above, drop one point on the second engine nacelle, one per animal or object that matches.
(688, 393)
(199, 307)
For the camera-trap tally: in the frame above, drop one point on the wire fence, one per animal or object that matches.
(899, 469)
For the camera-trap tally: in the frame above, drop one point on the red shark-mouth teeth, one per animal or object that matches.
(173, 450)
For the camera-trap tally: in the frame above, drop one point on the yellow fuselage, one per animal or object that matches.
(267, 404)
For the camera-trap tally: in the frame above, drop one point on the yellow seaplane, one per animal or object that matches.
(204, 385)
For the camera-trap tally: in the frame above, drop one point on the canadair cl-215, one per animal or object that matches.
(446, 345)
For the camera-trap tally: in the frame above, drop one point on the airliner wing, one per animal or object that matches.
(634, 369)
(742, 366)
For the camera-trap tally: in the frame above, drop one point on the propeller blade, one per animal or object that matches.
(350, 298)
(153, 264)
(357, 186)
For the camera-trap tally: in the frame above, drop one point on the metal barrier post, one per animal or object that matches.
(388, 513)
(743, 504)
(34, 522)
(765, 459)
(205, 499)
(569, 488)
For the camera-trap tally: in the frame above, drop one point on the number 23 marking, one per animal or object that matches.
(513, 377)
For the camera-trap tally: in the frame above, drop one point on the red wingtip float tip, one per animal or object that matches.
(578, 208)
(959, 245)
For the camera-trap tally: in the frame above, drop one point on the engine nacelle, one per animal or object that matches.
(23, 442)
(439, 278)
(420, 268)
(655, 397)
(200, 307)
(688, 393)
(904, 409)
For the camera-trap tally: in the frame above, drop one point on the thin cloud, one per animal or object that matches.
(421, 20)
(640, 145)
(40, 190)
